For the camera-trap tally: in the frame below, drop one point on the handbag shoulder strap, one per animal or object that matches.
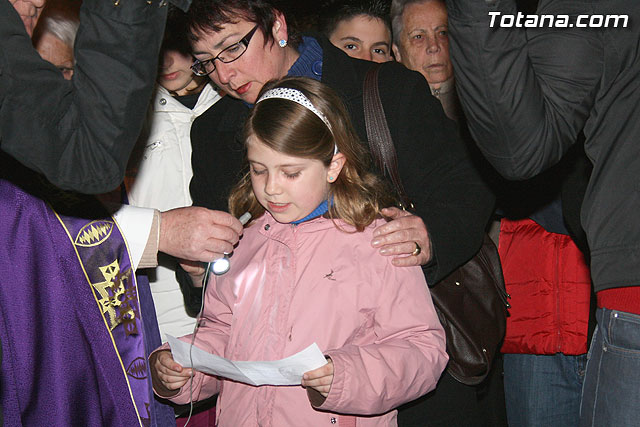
(378, 134)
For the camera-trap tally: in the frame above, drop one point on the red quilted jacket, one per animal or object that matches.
(549, 283)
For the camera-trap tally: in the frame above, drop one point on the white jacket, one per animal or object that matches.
(161, 181)
(164, 170)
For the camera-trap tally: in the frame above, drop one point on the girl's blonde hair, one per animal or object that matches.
(292, 129)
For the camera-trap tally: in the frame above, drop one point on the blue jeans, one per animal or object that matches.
(543, 390)
(611, 393)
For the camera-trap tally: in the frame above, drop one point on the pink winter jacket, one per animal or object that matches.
(292, 285)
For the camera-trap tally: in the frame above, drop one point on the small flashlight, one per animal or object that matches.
(221, 265)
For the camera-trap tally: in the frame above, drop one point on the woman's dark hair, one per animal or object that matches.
(334, 12)
(210, 15)
(176, 32)
(287, 127)
(175, 38)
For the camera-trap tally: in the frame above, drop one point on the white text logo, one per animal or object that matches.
(557, 21)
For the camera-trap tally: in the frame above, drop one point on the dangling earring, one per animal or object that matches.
(282, 43)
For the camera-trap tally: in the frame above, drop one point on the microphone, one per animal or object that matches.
(221, 265)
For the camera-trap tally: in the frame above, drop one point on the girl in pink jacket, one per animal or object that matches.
(305, 272)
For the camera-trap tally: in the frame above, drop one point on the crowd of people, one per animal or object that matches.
(135, 134)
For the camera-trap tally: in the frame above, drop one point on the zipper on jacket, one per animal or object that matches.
(556, 252)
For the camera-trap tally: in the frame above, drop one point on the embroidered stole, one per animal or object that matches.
(105, 261)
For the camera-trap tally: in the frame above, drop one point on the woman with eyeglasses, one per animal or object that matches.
(242, 44)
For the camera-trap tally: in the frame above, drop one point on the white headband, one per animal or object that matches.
(296, 96)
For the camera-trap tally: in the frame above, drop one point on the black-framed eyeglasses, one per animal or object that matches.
(228, 54)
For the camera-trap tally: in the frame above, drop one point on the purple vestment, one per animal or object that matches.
(72, 352)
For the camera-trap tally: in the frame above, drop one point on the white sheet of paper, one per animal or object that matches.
(287, 371)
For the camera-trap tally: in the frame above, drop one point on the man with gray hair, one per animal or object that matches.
(71, 355)
(54, 38)
(79, 134)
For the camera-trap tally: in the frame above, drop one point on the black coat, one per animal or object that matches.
(528, 92)
(79, 133)
(433, 163)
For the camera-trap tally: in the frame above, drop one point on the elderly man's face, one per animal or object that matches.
(57, 52)
(424, 42)
(29, 11)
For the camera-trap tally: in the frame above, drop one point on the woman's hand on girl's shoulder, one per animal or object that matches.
(404, 237)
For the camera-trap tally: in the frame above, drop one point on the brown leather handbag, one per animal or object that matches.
(472, 306)
(472, 301)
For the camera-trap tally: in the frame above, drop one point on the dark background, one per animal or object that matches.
(303, 11)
